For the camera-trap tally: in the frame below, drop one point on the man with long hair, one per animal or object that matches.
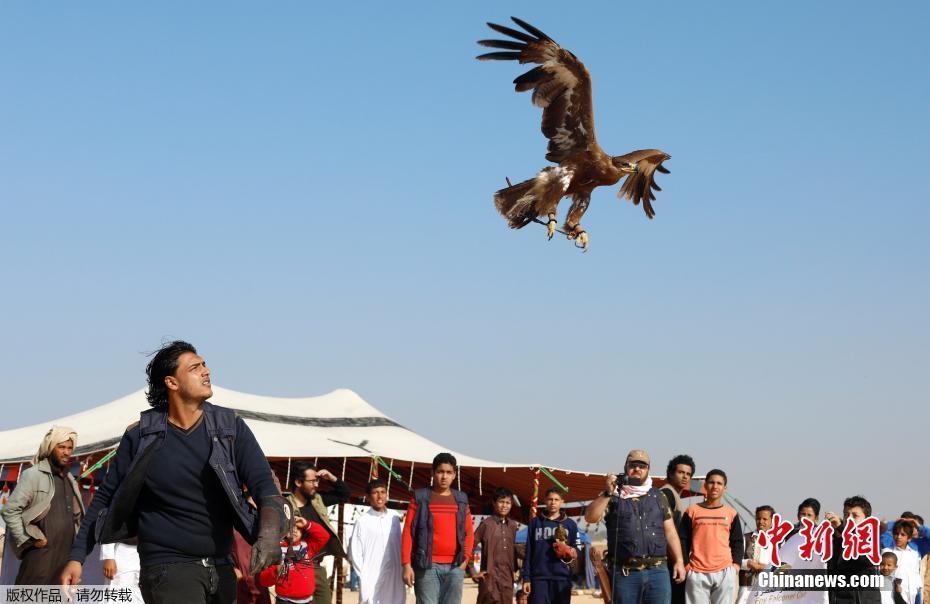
(177, 483)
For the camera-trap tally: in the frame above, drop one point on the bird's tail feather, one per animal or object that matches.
(538, 196)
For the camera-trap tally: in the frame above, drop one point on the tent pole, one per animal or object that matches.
(340, 574)
(535, 501)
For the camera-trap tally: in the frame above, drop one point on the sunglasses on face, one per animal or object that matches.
(639, 464)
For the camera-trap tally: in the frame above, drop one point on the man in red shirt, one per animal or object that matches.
(437, 540)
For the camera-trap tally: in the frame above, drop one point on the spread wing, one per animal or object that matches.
(640, 185)
(561, 86)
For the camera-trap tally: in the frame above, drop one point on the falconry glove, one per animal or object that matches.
(274, 522)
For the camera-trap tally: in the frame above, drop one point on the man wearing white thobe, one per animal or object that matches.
(374, 549)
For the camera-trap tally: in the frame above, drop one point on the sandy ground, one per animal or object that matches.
(470, 596)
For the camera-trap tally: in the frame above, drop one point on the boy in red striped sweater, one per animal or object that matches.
(436, 544)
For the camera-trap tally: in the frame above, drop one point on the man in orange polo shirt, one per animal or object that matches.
(437, 541)
(712, 543)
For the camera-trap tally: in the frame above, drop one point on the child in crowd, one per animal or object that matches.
(295, 583)
(497, 536)
(551, 547)
(756, 558)
(888, 567)
(908, 561)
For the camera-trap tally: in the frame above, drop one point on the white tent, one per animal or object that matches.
(338, 424)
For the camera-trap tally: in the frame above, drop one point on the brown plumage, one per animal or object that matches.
(561, 85)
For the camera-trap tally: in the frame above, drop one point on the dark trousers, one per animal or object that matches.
(678, 591)
(322, 594)
(548, 592)
(188, 582)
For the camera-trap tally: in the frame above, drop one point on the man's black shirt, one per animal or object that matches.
(339, 494)
(184, 513)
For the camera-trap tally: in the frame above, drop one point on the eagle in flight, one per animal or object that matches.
(561, 85)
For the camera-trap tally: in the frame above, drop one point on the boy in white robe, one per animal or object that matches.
(908, 562)
(374, 549)
(121, 566)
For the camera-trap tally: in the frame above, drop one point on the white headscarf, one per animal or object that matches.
(629, 491)
(55, 436)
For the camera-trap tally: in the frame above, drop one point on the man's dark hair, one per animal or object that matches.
(904, 527)
(442, 458)
(812, 503)
(858, 501)
(766, 508)
(299, 471)
(502, 493)
(679, 460)
(919, 519)
(555, 490)
(377, 483)
(717, 472)
(891, 555)
(164, 363)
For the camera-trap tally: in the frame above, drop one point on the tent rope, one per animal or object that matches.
(480, 472)
(390, 476)
(553, 479)
(97, 465)
(287, 478)
(410, 482)
(343, 469)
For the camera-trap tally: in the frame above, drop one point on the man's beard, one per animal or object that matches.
(57, 464)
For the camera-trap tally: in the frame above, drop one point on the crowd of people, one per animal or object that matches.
(190, 511)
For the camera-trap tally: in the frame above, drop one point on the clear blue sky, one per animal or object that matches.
(303, 190)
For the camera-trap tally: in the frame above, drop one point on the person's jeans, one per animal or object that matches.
(440, 584)
(188, 582)
(647, 586)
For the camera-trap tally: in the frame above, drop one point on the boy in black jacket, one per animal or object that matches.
(551, 547)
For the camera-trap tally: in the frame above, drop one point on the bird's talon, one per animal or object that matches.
(551, 228)
(582, 242)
